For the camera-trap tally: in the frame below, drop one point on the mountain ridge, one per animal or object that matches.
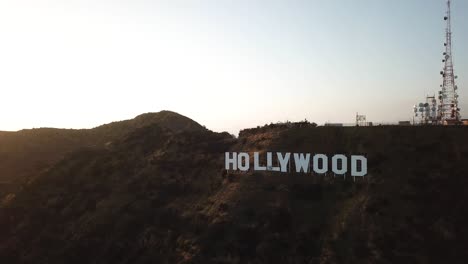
(161, 195)
(26, 152)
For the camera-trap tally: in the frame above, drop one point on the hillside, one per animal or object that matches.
(160, 194)
(26, 153)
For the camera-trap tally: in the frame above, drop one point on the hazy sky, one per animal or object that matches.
(226, 64)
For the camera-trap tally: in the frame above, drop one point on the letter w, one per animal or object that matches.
(302, 163)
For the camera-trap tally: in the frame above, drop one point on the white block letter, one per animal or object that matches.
(302, 163)
(283, 161)
(243, 161)
(229, 161)
(344, 164)
(257, 166)
(270, 162)
(354, 163)
(324, 168)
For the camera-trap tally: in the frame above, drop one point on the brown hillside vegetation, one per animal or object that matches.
(160, 194)
(27, 153)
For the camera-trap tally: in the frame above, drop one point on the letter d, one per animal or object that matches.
(354, 167)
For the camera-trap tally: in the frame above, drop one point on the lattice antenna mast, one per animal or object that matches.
(448, 97)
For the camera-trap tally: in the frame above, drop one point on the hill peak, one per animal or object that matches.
(167, 119)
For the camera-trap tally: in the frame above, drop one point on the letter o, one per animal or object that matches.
(243, 161)
(324, 168)
(344, 164)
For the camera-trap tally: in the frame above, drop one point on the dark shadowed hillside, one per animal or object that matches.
(159, 194)
(27, 153)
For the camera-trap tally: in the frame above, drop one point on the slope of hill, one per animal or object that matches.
(161, 195)
(27, 153)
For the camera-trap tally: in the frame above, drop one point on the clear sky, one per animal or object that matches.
(228, 64)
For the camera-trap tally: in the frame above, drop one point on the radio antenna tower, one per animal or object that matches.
(448, 110)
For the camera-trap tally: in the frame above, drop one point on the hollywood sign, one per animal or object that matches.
(340, 164)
